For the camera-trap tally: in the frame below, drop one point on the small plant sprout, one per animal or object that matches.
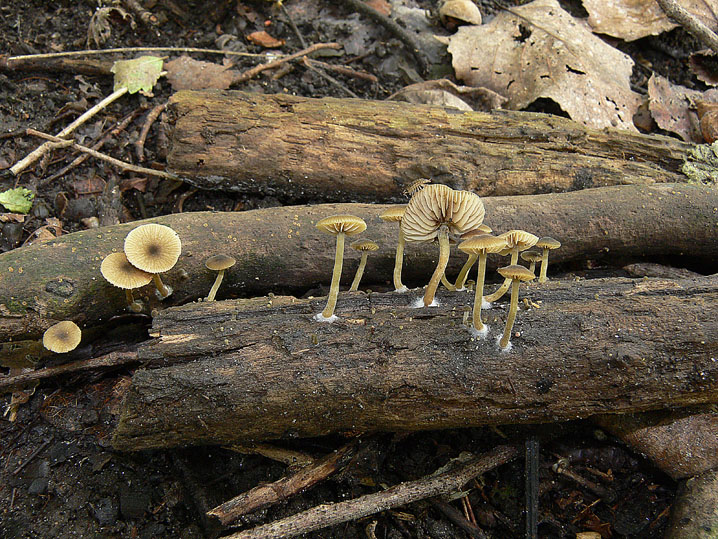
(364, 246)
(394, 215)
(516, 274)
(62, 337)
(480, 246)
(340, 226)
(218, 263)
(155, 249)
(119, 272)
(531, 257)
(517, 240)
(435, 212)
(461, 278)
(547, 244)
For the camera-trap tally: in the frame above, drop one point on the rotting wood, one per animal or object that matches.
(360, 150)
(280, 249)
(263, 369)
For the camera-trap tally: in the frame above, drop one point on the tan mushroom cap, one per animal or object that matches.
(516, 271)
(349, 224)
(153, 248)
(393, 214)
(219, 262)
(119, 272)
(531, 256)
(462, 10)
(436, 205)
(364, 245)
(62, 337)
(520, 238)
(548, 243)
(485, 243)
(478, 231)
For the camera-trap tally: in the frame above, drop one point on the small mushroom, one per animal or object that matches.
(364, 246)
(155, 249)
(453, 13)
(547, 244)
(62, 337)
(516, 274)
(218, 263)
(394, 215)
(120, 273)
(340, 226)
(517, 240)
(531, 257)
(461, 278)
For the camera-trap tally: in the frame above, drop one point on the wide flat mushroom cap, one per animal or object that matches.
(520, 239)
(219, 262)
(485, 243)
(531, 256)
(364, 245)
(153, 248)
(548, 243)
(62, 337)
(393, 214)
(516, 271)
(349, 224)
(478, 231)
(119, 272)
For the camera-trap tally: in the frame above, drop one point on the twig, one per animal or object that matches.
(532, 486)
(250, 73)
(329, 78)
(60, 143)
(151, 117)
(92, 52)
(34, 454)
(293, 26)
(290, 457)
(147, 17)
(403, 493)
(269, 494)
(344, 70)
(457, 518)
(692, 25)
(36, 154)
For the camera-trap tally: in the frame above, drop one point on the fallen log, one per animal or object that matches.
(279, 249)
(359, 150)
(265, 368)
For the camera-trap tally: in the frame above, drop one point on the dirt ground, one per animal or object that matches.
(60, 478)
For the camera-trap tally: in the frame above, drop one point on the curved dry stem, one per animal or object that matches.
(215, 286)
(478, 296)
(504, 342)
(532, 267)
(507, 282)
(360, 271)
(544, 266)
(132, 305)
(461, 278)
(399, 262)
(163, 290)
(336, 277)
(450, 287)
(440, 266)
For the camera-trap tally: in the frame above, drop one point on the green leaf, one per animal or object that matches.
(18, 200)
(138, 75)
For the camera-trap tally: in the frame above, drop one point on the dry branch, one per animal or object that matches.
(353, 149)
(261, 369)
(280, 249)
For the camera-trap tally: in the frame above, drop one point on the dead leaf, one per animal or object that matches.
(445, 93)
(99, 29)
(704, 65)
(12, 218)
(134, 183)
(89, 186)
(382, 6)
(185, 73)
(539, 50)
(263, 39)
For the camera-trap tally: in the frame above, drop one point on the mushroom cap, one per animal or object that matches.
(62, 337)
(153, 248)
(119, 272)
(219, 262)
(531, 256)
(349, 224)
(516, 271)
(548, 243)
(436, 205)
(462, 10)
(484, 243)
(393, 214)
(519, 238)
(478, 231)
(364, 245)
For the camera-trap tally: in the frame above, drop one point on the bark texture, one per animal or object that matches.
(265, 368)
(353, 149)
(281, 249)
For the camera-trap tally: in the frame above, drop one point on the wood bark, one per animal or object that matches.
(352, 149)
(280, 249)
(265, 368)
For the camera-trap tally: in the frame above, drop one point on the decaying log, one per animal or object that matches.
(280, 249)
(360, 150)
(695, 511)
(265, 368)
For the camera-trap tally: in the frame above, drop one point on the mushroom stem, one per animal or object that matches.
(440, 266)
(360, 271)
(479, 294)
(532, 267)
(544, 266)
(461, 279)
(132, 304)
(450, 287)
(163, 290)
(215, 286)
(399, 262)
(507, 282)
(504, 342)
(336, 276)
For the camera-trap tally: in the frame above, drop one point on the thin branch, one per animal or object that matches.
(329, 78)
(692, 25)
(151, 117)
(251, 73)
(344, 70)
(92, 52)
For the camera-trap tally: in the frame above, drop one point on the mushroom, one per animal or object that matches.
(340, 226)
(453, 13)
(394, 215)
(461, 278)
(155, 249)
(547, 244)
(480, 246)
(62, 337)
(218, 263)
(364, 246)
(517, 240)
(516, 274)
(532, 257)
(120, 273)
(435, 212)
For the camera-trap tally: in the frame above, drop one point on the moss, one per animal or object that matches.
(701, 165)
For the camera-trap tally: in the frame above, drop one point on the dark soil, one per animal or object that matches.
(60, 478)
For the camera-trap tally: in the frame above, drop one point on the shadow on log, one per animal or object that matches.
(261, 369)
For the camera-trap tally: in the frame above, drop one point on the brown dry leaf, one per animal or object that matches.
(539, 50)
(12, 218)
(99, 29)
(185, 73)
(445, 93)
(139, 183)
(704, 65)
(382, 6)
(263, 39)
(89, 186)
(634, 19)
